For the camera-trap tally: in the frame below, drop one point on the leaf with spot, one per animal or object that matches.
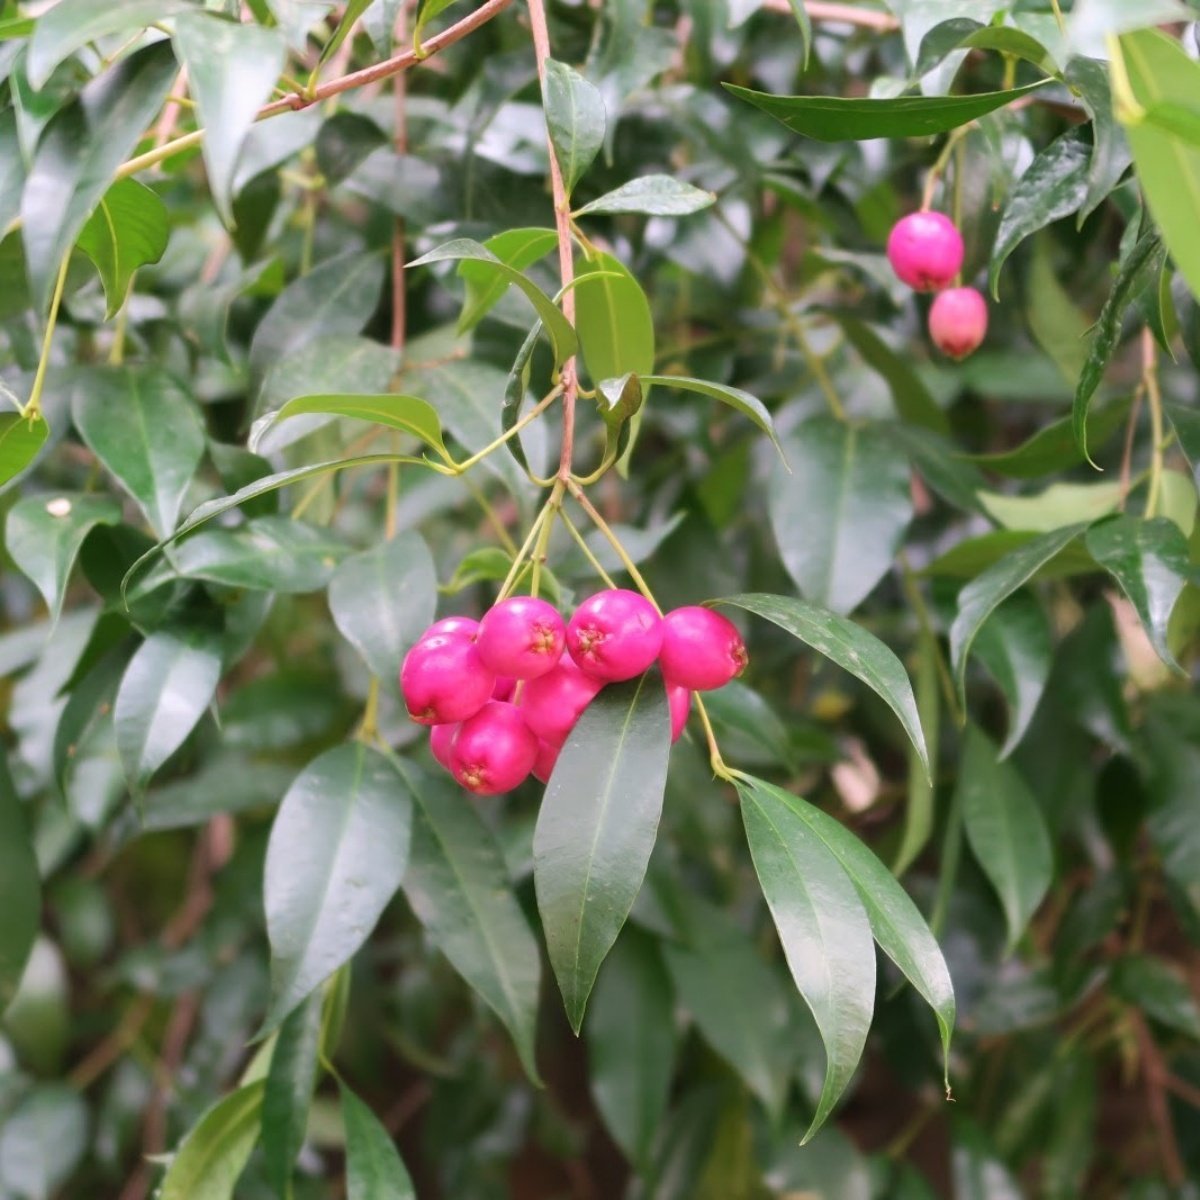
(653, 196)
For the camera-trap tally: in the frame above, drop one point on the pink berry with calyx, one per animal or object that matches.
(553, 704)
(679, 700)
(443, 680)
(441, 743)
(463, 627)
(701, 649)
(543, 766)
(614, 635)
(521, 637)
(958, 321)
(494, 750)
(925, 250)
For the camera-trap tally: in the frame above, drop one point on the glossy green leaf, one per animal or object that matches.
(1054, 186)
(1158, 989)
(374, 1169)
(612, 315)
(849, 646)
(1005, 830)
(1055, 323)
(823, 927)
(20, 887)
(839, 509)
(79, 153)
(459, 889)
(575, 118)
(632, 1043)
(748, 405)
(1058, 505)
(653, 195)
(1110, 149)
(337, 853)
(43, 535)
(839, 118)
(520, 248)
(232, 68)
(962, 33)
(596, 828)
(211, 1158)
(1054, 447)
(1150, 560)
(382, 599)
(350, 14)
(20, 440)
(147, 432)
(166, 689)
(562, 336)
(129, 229)
(987, 591)
(291, 1080)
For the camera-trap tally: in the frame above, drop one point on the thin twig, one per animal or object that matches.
(842, 14)
(1155, 1076)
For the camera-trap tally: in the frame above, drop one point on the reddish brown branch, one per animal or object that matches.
(1157, 1078)
(844, 14)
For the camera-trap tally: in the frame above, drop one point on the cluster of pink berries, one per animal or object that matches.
(502, 696)
(926, 252)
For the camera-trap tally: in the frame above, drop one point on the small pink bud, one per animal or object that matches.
(925, 250)
(958, 321)
(494, 751)
(441, 743)
(614, 635)
(680, 701)
(443, 680)
(521, 637)
(552, 704)
(463, 627)
(543, 766)
(701, 649)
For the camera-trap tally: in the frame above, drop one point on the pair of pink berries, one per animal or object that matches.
(926, 252)
(462, 675)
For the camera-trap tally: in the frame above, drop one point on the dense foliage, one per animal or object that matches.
(319, 321)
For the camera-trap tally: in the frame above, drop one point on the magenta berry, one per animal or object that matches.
(680, 701)
(925, 250)
(543, 766)
(552, 704)
(441, 743)
(614, 635)
(504, 688)
(521, 637)
(958, 321)
(463, 627)
(494, 750)
(701, 649)
(443, 680)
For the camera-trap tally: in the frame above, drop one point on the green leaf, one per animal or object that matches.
(374, 1169)
(575, 118)
(213, 1155)
(1186, 423)
(43, 536)
(596, 828)
(1158, 989)
(748, 405)
(1060, 504)
(632, 1044)
(850, 646)
(147, 432)
(1006, 831)
(353, 10)
(985, 593)
(1015, 646)
(562, 336)
(1055, 185)
(823, 928)
(1135, 274)
(1054, 448)
(1150, 560)
(291, 1080)
(232, 67)
(1160, 72)
(129, 229)
(920, 793)
(426, 13)
(1056, 324)
(20, 440)
(79, 153)
(612, 316)
(653, 195)
(336, 856)
(42, 1140)
(838, 118)
(382, 599)
(839, 509)
(168, 685)
(20, 887)
(1110, 149)
(519, 248)
(459, 889)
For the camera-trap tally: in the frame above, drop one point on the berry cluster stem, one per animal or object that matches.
(940, 164)
(581, 541)
(615, 542)
(33, 409)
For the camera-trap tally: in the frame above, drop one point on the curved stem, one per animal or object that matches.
(581, 541)
(714, 751)
(33, 409)
(514, 572)
(531, 415)
(939, 166)
(614, 541)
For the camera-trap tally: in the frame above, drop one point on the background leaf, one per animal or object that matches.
(20, 886)
(374, 1170)
(575, 117)
(654, 195)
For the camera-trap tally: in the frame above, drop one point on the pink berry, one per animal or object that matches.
(441, 743)
(444, 680)
(521, 637)
(925, 250)
(701, 649)
(543, 766)
(958, 321)
(552, 704)
(463, 627)
(614, 635)
(504, 688)
(680, 701)
(494, 751)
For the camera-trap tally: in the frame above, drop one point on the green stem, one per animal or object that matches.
(603, 469)
(1058, 16)
(939, 166)
(719, 769)
(530, 416)
(116, 352)
(514, 572)
(159, 153)
(368, 731)
(493, 518)
(951, 854)
(581, 541)
(553, 505)
(614, 541)
(33, 409)
(908, 582)
(1154, 403)
(393, 496)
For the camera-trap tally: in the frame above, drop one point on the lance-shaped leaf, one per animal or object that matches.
(213, 1155)
(575, 118)
(20, 887)
(1016, 647)
(20, 440)
(653, 195)
(291, 1081)
(748, 405)
(612, 314)
(374, 1168)
(520, 248)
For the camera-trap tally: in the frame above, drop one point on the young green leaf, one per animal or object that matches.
(426, 12)
(211, 1158)
(20, 887)
(406, 414)
(353, 10)
(1058, 505)
(612, 316)
(291, 1080)
(1015, 646)
(20, 440)
(576, 120)
(653, 195)
(1111, 155)
(374, 1168)
(129, 229)
(748, 405)
(1054, 447)
(519, 248)
(596, 828)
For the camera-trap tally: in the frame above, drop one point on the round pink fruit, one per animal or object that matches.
(543, 766)
(614, 635)
(443, 680)
(680, 701)
(441, 743)
(521, 637)
(701, 649)
(463, 627)
(958, 321)
(552, 704)
(925, 250)
(504, 688)
(494, 751)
